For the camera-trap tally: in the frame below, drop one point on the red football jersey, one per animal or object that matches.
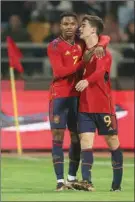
(67, 65)
(97, 98)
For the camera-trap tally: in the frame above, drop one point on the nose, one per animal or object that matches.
(69, 26)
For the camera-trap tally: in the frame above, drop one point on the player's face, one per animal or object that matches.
(86, 30)
(68, 26)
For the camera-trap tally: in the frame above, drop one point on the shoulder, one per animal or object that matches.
(55, 44)
(107, 56)
(106, 59)
(104, 37)
(108, 53)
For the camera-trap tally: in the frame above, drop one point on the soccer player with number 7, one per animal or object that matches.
(96, 108)
(65, 55)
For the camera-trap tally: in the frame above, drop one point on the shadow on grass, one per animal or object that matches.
(28, 190)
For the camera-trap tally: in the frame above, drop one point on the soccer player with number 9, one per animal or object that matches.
(96, 108)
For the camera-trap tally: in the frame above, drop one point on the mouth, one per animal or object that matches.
(69, 32)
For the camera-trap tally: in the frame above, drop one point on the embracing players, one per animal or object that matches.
(65, 55)
(96, 108)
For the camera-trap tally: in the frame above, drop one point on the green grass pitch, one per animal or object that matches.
(32, 179)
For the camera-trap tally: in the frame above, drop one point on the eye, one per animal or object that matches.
(65, 24)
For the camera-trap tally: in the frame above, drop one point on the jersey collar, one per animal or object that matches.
(71, 44)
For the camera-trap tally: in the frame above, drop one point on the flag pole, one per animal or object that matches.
(14, 98)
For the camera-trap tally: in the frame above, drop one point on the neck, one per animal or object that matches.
(91, 41)
(69, 39)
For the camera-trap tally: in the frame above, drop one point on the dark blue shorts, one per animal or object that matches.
(63, 113)
(106, 124)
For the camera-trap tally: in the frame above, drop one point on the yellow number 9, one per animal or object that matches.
(107, 120)
(75, 59)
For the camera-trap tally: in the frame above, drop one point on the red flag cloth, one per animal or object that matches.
(14, 55)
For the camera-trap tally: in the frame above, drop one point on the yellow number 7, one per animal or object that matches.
(75, 59)
(107, 120)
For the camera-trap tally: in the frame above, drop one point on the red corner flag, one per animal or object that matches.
(14, 55)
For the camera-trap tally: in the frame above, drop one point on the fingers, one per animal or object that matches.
(82, 88)
(99, 51)
(79, 86)
(99, 54)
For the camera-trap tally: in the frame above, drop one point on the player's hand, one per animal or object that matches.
(81, 85)
(99, 51)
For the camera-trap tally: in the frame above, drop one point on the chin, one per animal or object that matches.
(81, 36)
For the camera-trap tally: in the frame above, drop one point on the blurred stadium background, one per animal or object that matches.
(32, 25)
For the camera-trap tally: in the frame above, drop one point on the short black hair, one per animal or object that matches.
(68, 14)
(95, 21)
